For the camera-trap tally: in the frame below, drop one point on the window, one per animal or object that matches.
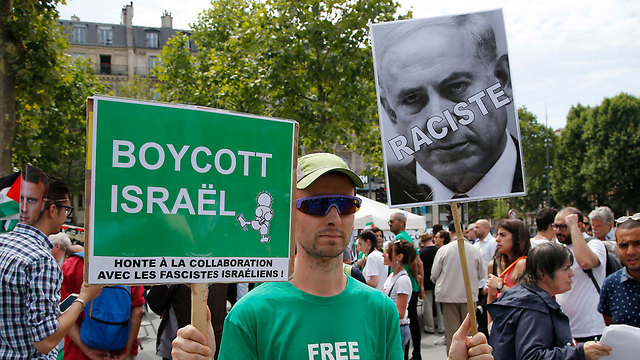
(79, 34)
(105, 64)
(152, 63)
(105, 35)
(152, 39)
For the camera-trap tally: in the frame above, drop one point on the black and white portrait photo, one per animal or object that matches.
(447, 116)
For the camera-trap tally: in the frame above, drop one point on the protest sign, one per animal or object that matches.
(447, 116)
(183, 194)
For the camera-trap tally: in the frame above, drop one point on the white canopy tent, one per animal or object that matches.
(379, 214)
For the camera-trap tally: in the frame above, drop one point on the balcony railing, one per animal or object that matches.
(110, 69)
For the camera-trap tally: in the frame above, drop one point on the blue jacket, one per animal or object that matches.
(528, 324)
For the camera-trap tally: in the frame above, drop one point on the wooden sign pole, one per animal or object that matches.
(199, 294)
(465, 268)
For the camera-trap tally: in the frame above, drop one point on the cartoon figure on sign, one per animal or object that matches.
(264, 214)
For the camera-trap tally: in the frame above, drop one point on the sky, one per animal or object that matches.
(561, 52)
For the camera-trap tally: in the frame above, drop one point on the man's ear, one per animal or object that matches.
(392, 114)
(501, 71)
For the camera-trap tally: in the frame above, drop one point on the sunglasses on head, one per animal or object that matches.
(622, 219)
(321, 205)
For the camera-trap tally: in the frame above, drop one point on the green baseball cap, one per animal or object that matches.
(312, 166)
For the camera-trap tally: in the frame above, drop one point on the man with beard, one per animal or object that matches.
(304, 318)
(581, 302)
(619, 298)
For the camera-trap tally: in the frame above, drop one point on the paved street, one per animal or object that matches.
(147, 338)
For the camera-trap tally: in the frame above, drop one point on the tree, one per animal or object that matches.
(53, 136)
(597, 159)
(612, 160)
(30, 46)
(308, 60)
(533, 136)
(569, 156)
(137, 87)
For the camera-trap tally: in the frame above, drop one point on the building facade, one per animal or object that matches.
(119, 51)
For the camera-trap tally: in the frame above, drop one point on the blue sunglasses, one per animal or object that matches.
(321, 205)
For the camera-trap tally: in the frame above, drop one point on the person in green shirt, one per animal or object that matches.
(305, 317)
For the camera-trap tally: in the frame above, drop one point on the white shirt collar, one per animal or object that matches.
(494, 182)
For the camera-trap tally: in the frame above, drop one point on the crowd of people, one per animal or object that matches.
(548, 296)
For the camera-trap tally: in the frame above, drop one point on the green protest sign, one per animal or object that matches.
(182, 194)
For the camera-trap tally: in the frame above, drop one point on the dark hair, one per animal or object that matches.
(375, 230)
(436, 228)
(544, 259)
(545, 217)
(368, 236)
(628, 225)
(444, 234)
(34, 175)
(404, 247)
(452, 227)
(521, 240)
(58, 191)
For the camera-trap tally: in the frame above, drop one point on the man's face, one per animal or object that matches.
(563, 234)
(629, 248)
(60, 214)
(600, 228)
(481, 230)
(471, 234)
(421, 81)
(31, 201)
(438, 240)
(325, 237)
(395, 225)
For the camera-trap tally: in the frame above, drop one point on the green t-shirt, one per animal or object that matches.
(278, 321)
(403, 235)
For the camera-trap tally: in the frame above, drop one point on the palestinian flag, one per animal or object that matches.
(9, 202)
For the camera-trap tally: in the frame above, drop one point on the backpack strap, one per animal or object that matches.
(589, 272)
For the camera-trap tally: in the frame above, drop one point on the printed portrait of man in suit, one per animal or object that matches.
(446, 109)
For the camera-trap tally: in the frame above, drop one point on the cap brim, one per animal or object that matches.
(312, 177)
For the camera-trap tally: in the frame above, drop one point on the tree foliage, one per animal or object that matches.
(533, 136)
(53, 136)
(31, 45)
(597, 160)
(308, 61)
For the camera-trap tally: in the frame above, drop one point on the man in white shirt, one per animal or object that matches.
(486, 244)
(581, 302)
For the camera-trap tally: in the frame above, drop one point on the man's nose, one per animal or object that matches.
(333, 217)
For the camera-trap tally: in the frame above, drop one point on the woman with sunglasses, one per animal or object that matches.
(528, 322)
(510, 260)
(374, 269)
(398, 285)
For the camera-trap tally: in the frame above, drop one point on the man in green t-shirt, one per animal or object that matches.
(305, 318)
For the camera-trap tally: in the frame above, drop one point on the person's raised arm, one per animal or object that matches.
(586, 258)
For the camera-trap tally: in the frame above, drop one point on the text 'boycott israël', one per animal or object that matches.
(464, 114)
(153, 156)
